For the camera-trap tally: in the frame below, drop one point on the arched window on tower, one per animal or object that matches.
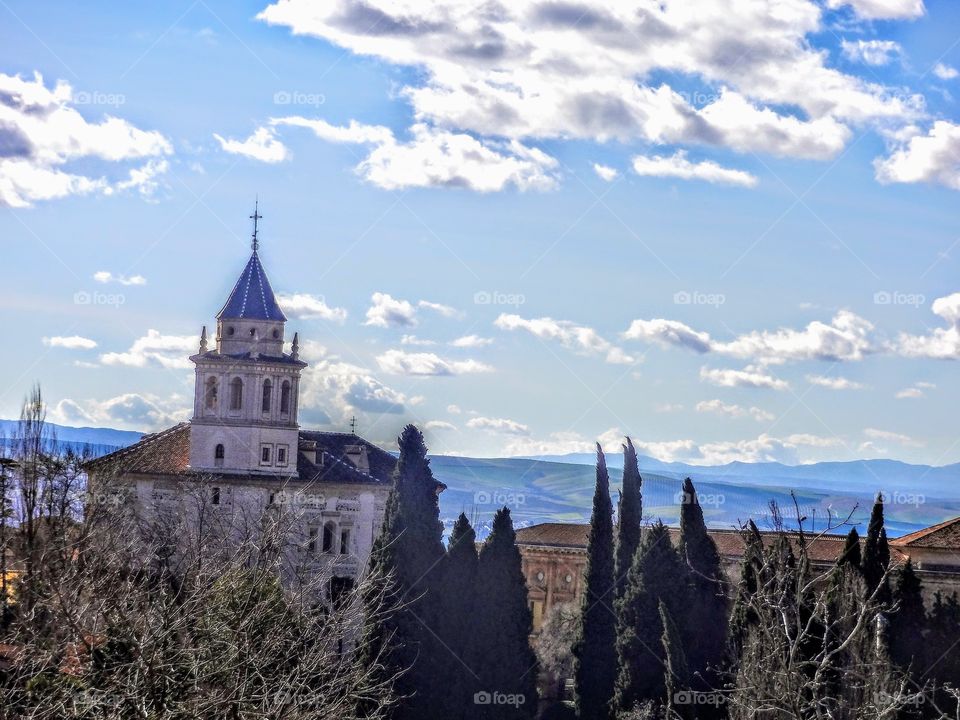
(285, 397)
(218, 455)
(267, 395)
(210, 394)
(236, 394)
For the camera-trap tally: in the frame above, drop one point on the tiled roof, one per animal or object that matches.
(571, 535)
(826, 548)
(252, 297)
(942, 535)
(168, 453)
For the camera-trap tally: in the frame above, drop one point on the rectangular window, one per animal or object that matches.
(215, 496)
(312, 544)
(345, 542)
(265, 455)
(282, 455)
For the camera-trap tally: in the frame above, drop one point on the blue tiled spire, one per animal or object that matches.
(252, 297)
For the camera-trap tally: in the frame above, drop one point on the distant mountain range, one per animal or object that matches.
(560, 488)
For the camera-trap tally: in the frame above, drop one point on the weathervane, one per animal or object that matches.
(255, 217)
(353, 425)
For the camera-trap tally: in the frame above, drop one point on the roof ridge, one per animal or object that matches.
(925, 532)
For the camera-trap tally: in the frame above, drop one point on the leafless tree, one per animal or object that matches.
(814, 648)
(174, 609)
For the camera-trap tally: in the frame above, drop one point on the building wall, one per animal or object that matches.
(938, 569)
(240, 504)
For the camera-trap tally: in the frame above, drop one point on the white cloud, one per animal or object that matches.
(939, 343)
(945, 72)
(305, 306)
(605, 172)
(154, 348)
(669, 332)
(439, 425)
(731, 410)
(834, 382)
(915, 391)
(560, 71)
(882, 9)
(471, 341)
(764, 448)
(105, 277)
(41, 131)
(576, 337)
(353, 133)
(262, 145)
(751, 377)
(454, 409)
(498, 425)
(930, 158)
(678, 166)
(398, 362)
(438, 158)
(871, 52)
(892, 437)
(331, 386)
(130, 411)
(71, 342)
(444, 310)
(846, 337)
(385, 311)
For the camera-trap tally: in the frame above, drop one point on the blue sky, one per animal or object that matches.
(731, 234)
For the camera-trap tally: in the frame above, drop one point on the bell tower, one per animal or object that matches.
(246, 396)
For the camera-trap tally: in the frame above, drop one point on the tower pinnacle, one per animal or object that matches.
(255, 217)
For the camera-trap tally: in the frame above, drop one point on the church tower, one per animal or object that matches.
(247, 389)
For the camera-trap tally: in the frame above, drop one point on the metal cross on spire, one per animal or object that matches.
(255, 217)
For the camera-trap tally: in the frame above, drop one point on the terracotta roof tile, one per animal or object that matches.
(826, 548)
(168, 453)
(942, 535)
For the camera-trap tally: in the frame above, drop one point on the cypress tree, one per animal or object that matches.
(851, 550)
(657, 574)
(630, 516)
(707, 614)
(675, 669)
(457, 617)
(907, 626)
(742, 616)
(876, 551)
(502, 657)
(595, 650)
(406, 563)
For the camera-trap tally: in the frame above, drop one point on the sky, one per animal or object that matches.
(727, 228)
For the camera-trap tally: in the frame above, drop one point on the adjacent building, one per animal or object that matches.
(555, 559)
